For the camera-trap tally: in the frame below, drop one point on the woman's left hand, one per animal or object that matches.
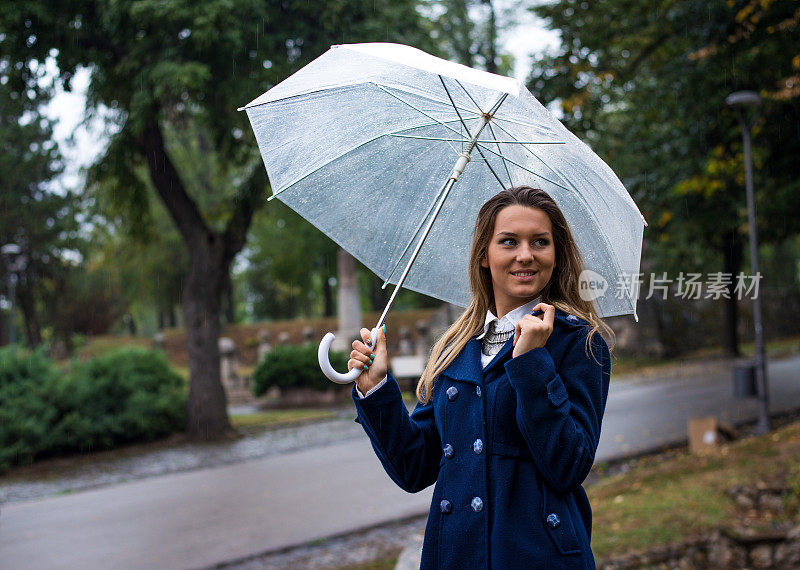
(532, 331)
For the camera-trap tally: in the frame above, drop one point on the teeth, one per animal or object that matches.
(523, 274)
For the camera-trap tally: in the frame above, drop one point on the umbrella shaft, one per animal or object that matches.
(463, 159)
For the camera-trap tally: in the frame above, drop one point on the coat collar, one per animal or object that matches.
(467, 365)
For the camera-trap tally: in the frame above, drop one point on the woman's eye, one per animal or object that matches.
(507, 241)
(541, 242)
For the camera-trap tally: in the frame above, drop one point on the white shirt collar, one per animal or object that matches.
(509, 320)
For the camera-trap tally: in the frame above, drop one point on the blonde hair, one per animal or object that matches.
(561, 291)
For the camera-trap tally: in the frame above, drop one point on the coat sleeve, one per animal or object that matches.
(408, 446)
(559, 411)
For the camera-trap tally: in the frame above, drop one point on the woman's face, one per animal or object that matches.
(521, 256)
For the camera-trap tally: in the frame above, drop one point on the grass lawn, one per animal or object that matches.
(275, 418)
(665, 499)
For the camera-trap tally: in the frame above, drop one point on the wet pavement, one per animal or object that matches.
(78, 474)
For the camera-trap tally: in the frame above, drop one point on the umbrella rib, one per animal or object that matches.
(517, 122)
(448, 127)
(468, 94)
(428, 97)
(488, 141)
(452, 102)
(505, 164)
(553, 170)
(529, 170)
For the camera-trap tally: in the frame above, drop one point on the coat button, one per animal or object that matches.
(572, 318)
(553, 521)
(478, 391)
(448, 451)
(446, 506)
(452, 393)
(477, 504)
(477, 447)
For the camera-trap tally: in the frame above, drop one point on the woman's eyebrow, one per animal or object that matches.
(512, 234)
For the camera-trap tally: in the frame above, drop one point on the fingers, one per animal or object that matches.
(549, 315)
(362, 355)
(361, 349)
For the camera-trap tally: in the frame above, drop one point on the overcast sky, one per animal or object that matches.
(80, 143)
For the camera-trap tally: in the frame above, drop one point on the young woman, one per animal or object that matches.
(510, 402)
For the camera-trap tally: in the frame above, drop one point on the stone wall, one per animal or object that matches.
(744, 543)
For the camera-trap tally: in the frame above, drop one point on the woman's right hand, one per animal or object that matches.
(375, 358)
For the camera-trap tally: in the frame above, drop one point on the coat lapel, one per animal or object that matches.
(502, 356)
(467, 365)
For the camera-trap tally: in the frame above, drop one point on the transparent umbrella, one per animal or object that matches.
(386, 130)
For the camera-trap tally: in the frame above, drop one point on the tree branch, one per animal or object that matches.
(246, 202)
(169, 186)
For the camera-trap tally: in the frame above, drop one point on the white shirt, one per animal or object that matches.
(507, 323)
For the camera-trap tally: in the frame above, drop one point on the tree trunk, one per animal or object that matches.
(207, 403)
(349, 306)
(3, 328)
(378, 296)
(211, 254)
(733, 251)
(27, 304)
(327, 294)
(491, 56)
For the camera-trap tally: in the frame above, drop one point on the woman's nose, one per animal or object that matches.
(524, 253)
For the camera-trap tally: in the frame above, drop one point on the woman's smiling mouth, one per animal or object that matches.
(524, 275)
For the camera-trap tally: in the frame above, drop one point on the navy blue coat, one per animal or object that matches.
(508, 448)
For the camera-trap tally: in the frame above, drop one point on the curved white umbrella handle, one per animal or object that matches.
(325, 363)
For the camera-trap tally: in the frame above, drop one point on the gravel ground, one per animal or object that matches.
(378, 543)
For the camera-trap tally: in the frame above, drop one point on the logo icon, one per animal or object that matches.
(591, 285)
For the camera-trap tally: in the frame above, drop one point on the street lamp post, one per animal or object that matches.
(8, 253)
(741, 100)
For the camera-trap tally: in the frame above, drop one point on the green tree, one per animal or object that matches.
(33, 215)
(182, 67)
(645, 83)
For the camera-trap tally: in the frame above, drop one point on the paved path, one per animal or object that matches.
(643, 417)
(203, 517)
(200, 518)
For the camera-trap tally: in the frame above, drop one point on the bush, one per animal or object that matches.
(27, 413)
(289, 366)
(125, 396)
(128, 395)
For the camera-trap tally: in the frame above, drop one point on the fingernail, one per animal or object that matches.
(366, 367)
(384, 328)
(372, 357)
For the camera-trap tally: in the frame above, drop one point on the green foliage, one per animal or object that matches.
(645, 85)
(32, 216)
(126, 396)
(27, 411)
(294, 366)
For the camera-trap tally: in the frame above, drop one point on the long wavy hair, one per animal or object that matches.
(561, 291)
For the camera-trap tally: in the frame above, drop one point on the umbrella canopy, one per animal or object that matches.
(360, 141)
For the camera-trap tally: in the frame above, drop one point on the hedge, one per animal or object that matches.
(126, 396)
(295, 366)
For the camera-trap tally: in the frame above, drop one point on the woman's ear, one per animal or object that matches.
(484, 263)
